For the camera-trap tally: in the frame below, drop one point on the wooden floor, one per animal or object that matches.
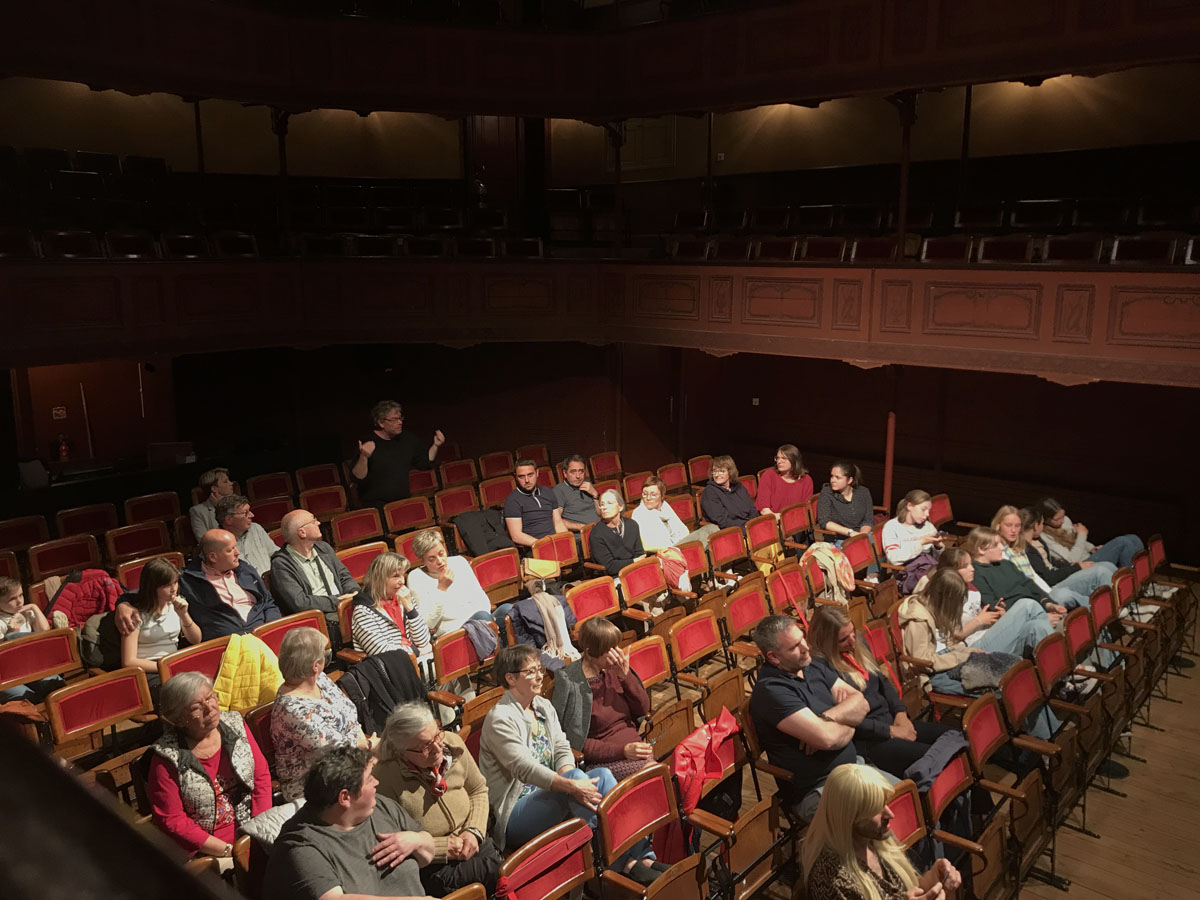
(1149, 845)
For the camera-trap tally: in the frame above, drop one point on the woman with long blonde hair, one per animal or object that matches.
(886, 737)
(850, 852)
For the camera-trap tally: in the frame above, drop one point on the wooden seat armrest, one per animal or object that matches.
(869, 587)
(1140, 626)
(958, 701)
(891, 568)
(1037, 745)
(351, 656)
(1099, 676)
(967, 526)
(795, 545)
(1003, 790)
(728, 576)
(745, 648)
(1073, 708)
(1184, 568)
(623, 884)
(683, 595)
(818, 531)
(446, 698)
(638, 615)
(578, 754)
(593, 566)
(775, 772)
(1153, 601)
(144, 718)
(955, 841)
(714, 825)
(1119, 648)
(694, 680)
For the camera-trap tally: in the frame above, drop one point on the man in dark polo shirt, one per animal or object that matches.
(576, 495)
(804, 716)
(387, 454)
(531, 511)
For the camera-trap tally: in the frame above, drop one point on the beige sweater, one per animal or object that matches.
(920, 638)
(464, 803)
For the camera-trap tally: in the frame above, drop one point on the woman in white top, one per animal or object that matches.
(446, 589)
(910, 533)
(659, 524)
(975, 619)
(164, 615)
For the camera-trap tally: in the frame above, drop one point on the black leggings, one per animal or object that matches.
(894, 755)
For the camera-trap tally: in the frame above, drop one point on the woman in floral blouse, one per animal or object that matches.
(310, 712)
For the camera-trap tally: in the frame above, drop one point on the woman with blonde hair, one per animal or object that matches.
(725, 501)
(445, 586)
(385, 615)
(886, 737)
(850, 853)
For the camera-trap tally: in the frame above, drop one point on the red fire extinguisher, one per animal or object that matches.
(64, 448)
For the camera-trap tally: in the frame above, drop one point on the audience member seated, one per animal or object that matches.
(1077, 580)
(224, 595)
(533, 782)
(1007, 524)
(385, 616)
(726, 502)
(599, 701)
(531, 511)
(207, 777)
(990, 621)
(659, 524)
(386, 455)
(576, 495)
(254, 544)
(1068, 541)
(850, 852)
(886, 737)
(785, 485)
(910, 540)
(215, 484)
(844, 506)
(805, 715)
(445, 587)
(346, 841)
(164, 616)
(306, 572)
(310, 712)
(432, 775)
(18, 619)
(616, 541)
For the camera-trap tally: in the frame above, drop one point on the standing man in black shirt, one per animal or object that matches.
(804, 715)
(386, 455)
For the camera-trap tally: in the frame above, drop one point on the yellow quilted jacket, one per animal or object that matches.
(249, 674)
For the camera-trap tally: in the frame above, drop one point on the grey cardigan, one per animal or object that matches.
(573, 703)
(506, 760)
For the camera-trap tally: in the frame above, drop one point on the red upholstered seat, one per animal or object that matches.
(272, 633)
(162, 507)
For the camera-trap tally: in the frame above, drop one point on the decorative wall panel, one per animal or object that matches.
(782, 301)
(48, 304)
(847, 304)
(1150, 317)
(721, 291)
(515, 294)
(1073, 313)
(665, 297)
(989, 310)
(896, 312)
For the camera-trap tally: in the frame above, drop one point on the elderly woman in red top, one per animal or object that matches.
(207, 778)
(599, 700)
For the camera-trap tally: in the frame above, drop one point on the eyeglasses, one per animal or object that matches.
(430, 744)
(311, 522)
(533, 671)
(392, 419)
(245, 512)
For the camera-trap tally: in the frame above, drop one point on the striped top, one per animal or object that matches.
(374, 631)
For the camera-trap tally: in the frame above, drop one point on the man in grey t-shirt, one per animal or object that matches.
(576, 495)
(346, 840)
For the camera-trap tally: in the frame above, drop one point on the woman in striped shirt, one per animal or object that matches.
(385, 615)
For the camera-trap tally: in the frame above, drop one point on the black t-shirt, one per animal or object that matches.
(389, 465)
(776, 696)
(534, 508)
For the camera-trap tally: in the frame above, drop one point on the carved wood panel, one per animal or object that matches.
(782, 301)
(988, 310)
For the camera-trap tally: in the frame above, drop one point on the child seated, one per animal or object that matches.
(18, 619)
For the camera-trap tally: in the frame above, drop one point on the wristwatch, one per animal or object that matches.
(478, 834)
(229, 850)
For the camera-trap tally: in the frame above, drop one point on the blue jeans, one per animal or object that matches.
(1119, 550)
(542, 809)
(35, 691)
(1077, 590)
(1041, 723)
(499, 614)
(1018, 631)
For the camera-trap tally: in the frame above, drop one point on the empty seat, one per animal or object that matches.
(403, 219)
(45, 159)
(811, 218)
(1146, 249)
(322, 245)
(17, 243)
(443, 219)
(274, 484)
(489, 219)
(769, 221)
(162, 507)
(347, 218)
(235, 244)
(58, 557)
(946, 249)
(1038, 214)
(355, 527)
(324, 502)
(371, 245)
(775, 250)
(132, 541)
(873, 250)
(732, 250)
(823, 249)
(185, 245)
(94, 519)
(424, 247)
(691, 221)
(342, 194)
(23, 532)
(131, 243)
(103, 163)
(323, 475)
(69, 244)
(1099, 213)
(1009, 248)
(860, 217)
(1074, 248)
(980, 216)
(474, 248)
(523, 248)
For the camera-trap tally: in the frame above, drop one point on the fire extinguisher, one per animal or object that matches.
(64, 448)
